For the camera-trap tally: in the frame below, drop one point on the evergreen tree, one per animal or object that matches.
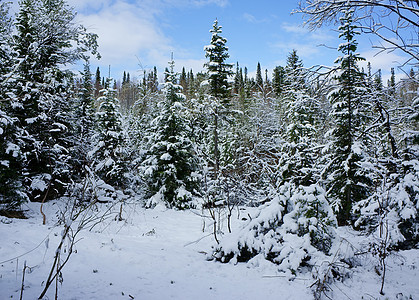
(247, 84)
(124, 78)
(278, 80)
(84, 119)
(218, 73)
(392, 83)
(218, 69)
(298, 159)
(294, 73)
(12, 194)
(192, 89)
(259, 80)
(236, 84)
(378, 81)
(5, 42)
(170, 166)
(108, 155)
(97, 85)
(183, 81)
(346, 182)
(45, 41)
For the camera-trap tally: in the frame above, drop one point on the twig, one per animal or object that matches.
(44, 218)
(23, 281)
(284, 276)
(198, 240)
(17, 257)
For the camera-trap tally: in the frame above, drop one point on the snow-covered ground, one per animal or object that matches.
(161, 254)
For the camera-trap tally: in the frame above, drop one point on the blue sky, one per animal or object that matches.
(137, 35)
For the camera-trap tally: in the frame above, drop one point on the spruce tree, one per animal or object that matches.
(278, 80)
(12, 194)
(392, 83)
(44, 42)
(346, 182)
(218, 69)
(294, 72)
(183, 81)
(192, 89)
(378, 81)
(259, 80)
(84, 119)
(108, 155)
(170, 166)
(98, 85)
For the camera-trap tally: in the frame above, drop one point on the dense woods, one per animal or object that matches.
(311, 149)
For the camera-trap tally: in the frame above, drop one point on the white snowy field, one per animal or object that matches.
(161, 254)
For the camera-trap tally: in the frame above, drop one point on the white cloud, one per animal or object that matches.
(196, 65)
(252, 19)
(310, 45)
(130, 38)
(384, 61)
(221, 3)
(125, 32)
(303, 49)
(294, 28)
(317, 36)
(94, 5)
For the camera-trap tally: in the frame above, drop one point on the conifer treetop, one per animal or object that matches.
(218, 69)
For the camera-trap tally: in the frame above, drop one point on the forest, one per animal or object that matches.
(278, 167)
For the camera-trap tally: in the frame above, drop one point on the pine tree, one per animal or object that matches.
(236, 84)
(378, 81)
(218, 69)
(98, 85)
(278, 80)
(170, 166)
(259, 80)
(183, 81)
(84, 116)
(44, 42)
(392, 83)
(218, 73)
(346, 182)
(294, 72)
(298, 159)
(5, 42)
(12, 194)
(109, 155)
(192, 89)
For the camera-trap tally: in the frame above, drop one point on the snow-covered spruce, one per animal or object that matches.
(346, 182)
(293, 230)
(108, 155)
(170, 167)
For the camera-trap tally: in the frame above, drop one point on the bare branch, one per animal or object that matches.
(393, 21)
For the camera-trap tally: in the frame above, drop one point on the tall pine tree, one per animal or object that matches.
(346, 182)
(108, 155)
(170, 166)
(12, 194)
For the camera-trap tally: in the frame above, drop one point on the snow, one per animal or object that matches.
(154, 254)
(161, 254)
(13, 149)
(166, 156)
(40, 182)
